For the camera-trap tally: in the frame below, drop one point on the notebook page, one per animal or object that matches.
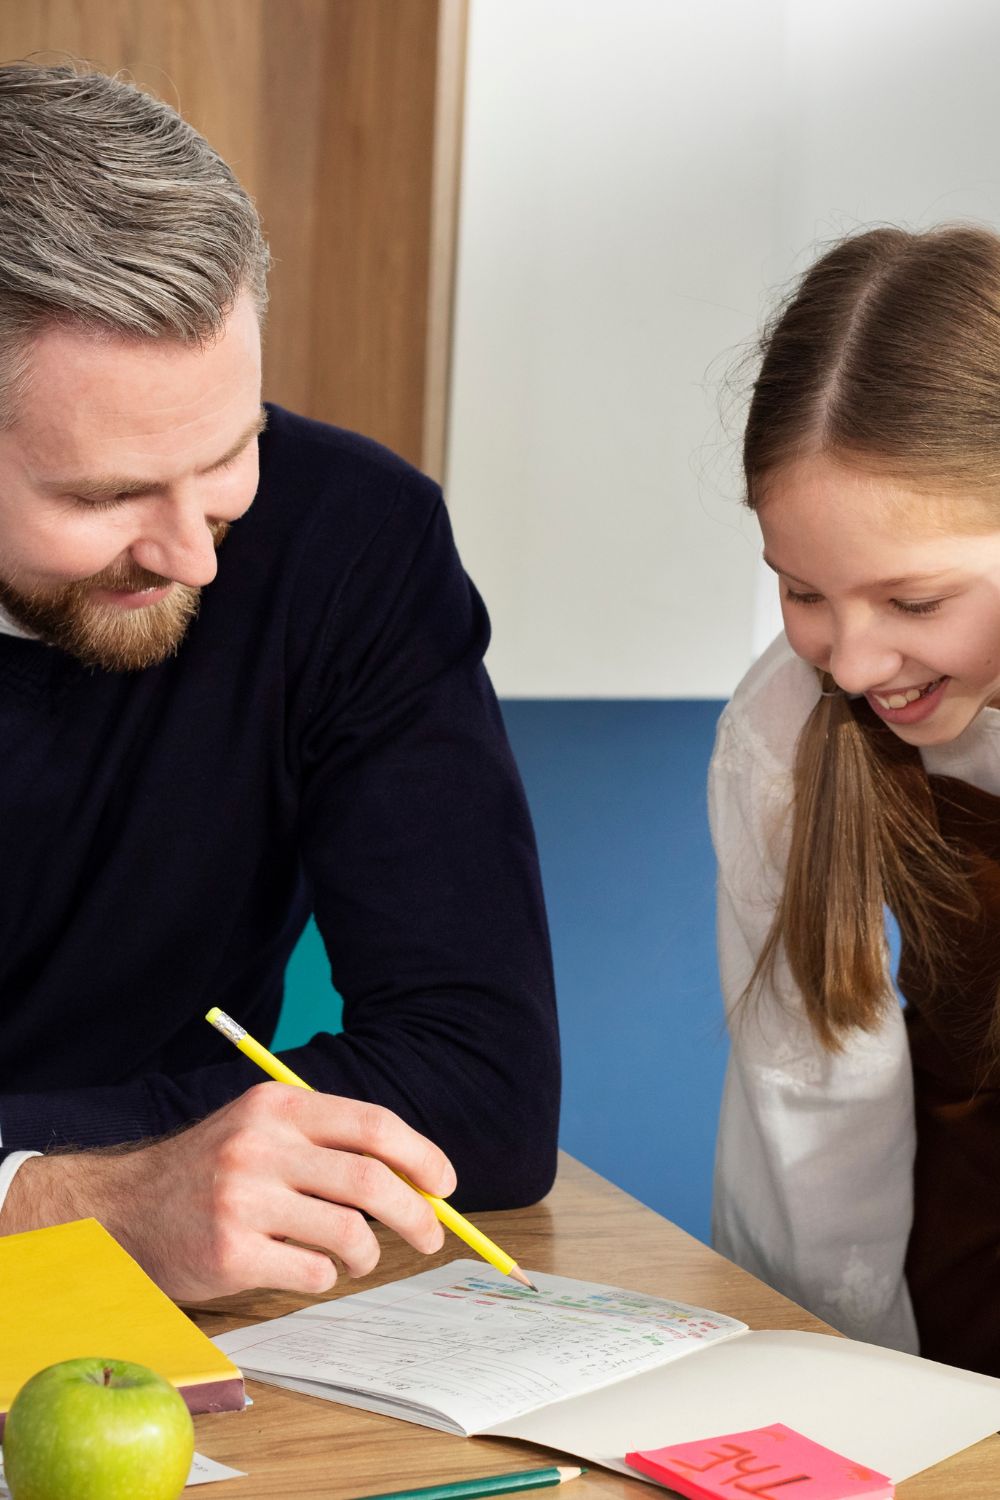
(893, 1412)
(466, 1343)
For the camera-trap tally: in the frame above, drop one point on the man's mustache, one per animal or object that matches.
(132, 580)
(123, 581)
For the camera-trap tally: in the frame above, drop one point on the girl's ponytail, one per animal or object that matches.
(864, 836)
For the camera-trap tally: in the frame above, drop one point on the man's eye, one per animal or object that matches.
(98, 502)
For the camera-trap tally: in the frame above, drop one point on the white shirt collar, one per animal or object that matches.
(10, 627)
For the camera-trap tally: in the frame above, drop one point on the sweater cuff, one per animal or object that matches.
(79, 1118)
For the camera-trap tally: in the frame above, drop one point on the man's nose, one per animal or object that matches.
(177, 543)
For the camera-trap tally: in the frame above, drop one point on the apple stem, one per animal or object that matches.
(107, 1375)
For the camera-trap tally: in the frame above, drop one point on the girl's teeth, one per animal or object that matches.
(900, 700)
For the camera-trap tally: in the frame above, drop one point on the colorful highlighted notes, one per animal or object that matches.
(768, 1463)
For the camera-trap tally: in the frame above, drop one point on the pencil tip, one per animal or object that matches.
(519, 1275)
(567, 1471)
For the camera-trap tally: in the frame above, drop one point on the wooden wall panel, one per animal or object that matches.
(327, 111)
(449, 106)
(373, 212)
(293, 86)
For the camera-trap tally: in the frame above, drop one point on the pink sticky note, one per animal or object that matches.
(769, 1463)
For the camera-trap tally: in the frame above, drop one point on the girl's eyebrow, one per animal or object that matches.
(881, 583)
(775, 568)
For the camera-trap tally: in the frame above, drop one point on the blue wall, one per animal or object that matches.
(617, 791)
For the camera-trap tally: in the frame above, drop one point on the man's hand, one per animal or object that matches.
(207, 1212)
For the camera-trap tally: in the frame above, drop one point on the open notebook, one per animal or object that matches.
(597, 1371)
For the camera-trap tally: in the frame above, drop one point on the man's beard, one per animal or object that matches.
(107, 635)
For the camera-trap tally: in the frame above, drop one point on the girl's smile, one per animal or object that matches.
(909, 705)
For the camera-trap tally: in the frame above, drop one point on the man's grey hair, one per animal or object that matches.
(115, 215)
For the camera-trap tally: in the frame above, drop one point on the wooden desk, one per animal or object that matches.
(293, 1445)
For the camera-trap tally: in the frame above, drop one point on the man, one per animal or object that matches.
(187, 775)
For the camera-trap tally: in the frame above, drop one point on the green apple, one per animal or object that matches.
(97, 1429)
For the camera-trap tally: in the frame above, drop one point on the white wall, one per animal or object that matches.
(891, 114)
(639, 178)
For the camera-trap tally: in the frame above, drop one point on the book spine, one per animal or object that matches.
(214, 1395)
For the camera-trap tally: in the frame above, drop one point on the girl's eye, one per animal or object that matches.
(802, 598)
(904, 606)
(917, 606)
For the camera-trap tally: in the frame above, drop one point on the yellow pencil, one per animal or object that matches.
(449, 1217)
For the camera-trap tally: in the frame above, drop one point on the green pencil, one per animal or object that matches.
(493, 1484)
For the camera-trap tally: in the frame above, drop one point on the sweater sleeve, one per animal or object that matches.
(814, 1163)
(421, 858)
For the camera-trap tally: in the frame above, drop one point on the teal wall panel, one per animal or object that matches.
(311, 1003)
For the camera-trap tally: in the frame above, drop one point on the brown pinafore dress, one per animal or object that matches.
(953, 1259)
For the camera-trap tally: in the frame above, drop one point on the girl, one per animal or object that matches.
(858, 768)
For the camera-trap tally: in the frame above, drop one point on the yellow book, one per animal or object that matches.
(72, 1291)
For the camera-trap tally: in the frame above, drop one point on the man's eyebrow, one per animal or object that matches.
(255, 429)
(125, 488)
(880, 583)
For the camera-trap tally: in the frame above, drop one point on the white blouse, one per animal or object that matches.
(814, 1163)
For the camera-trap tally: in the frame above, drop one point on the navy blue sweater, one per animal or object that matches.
(326, 740)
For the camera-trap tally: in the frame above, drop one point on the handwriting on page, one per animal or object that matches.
(479, 1349)
(771, 1463)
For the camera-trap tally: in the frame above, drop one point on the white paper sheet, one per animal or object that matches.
(203, 1471)
(207, 1471)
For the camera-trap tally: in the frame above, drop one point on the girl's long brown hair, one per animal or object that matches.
(886, 358)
